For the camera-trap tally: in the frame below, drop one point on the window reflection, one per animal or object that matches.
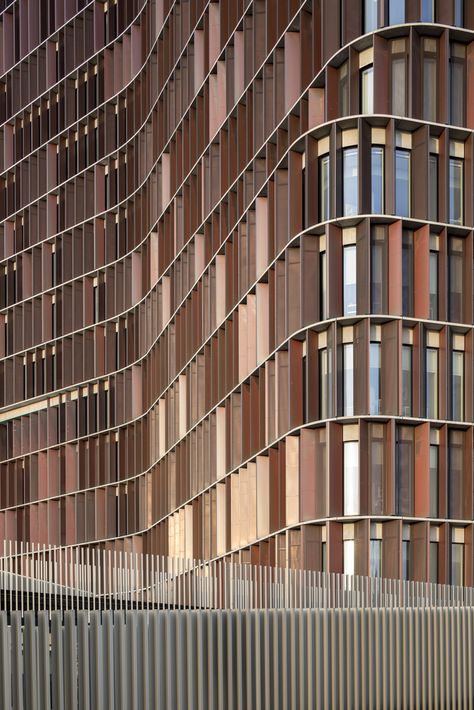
(350, 184)
(457, 385)
(434, 480)
(377, 180)
(370, 15)
(432, 383)
(367, 90)
(406, 380)
(348, 356)
(456, 170)
(404, 456)
(324, 191)
(351, 478)
(350, 280)
(396, 12)
(433, 193)
(375, 357)
(375, 558)
(402, 182)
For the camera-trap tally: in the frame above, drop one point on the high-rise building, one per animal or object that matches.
(236, 280)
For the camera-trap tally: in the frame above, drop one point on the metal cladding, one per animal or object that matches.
(403, 658)
(236, 281)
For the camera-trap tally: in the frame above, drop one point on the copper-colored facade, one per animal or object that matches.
(236, 280)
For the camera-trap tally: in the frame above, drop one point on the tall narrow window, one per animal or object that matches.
(427, 10)
(350, 183)
(351, 478)
(367, 90)
(402, 182)
(396, 12)
(322, 285)
(375, 558)
(370, 15)
(433, 562)
(350, 280)
(457, 84)
(399, 77)
(457, 563)
(325, 389)
(348, 550)
(324, 190)
(405, 465)
(433, 285)
(457, 386)
(348, 385)
(344, 89)
(430, 79)
(406, 380)
(377, 180)
(374, 377)
(405, 559)
(459, 13)
(407, 273)
(432, 383)
(456, 192)
(378, 270)
(434, 480)
(376, 468)
(433, 206)
(456, 290)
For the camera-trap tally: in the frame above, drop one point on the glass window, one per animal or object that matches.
(367, 90)
(456, 170)
(344, 89)
(324, 190)
(375, 362)
(427, 11)
(349, 557)
(434, 480)
(434, 285)
(322, 284)
(455, 474)
(430, 79)
(377, 180)
(406, 380)
(434, 562)
(370, 15)
(404, 461)
(432, 383)
(348, 355)
(350, 280)
(396, 12)
(323, 557)
(402, 182)
(325, 389)
(376, 558)
(456, 290)
(433, 206)
(351, 478)
(399, 77)
(405, 559)
(457, 387)
(350, 184)
(459, 13)
(457, 564)
(407, 273)
(376, 453)
(457, 90)
(378, 269)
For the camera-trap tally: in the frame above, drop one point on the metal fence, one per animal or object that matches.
(83, 579)
(238, 660)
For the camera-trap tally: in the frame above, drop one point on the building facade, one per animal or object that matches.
(236, 280)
